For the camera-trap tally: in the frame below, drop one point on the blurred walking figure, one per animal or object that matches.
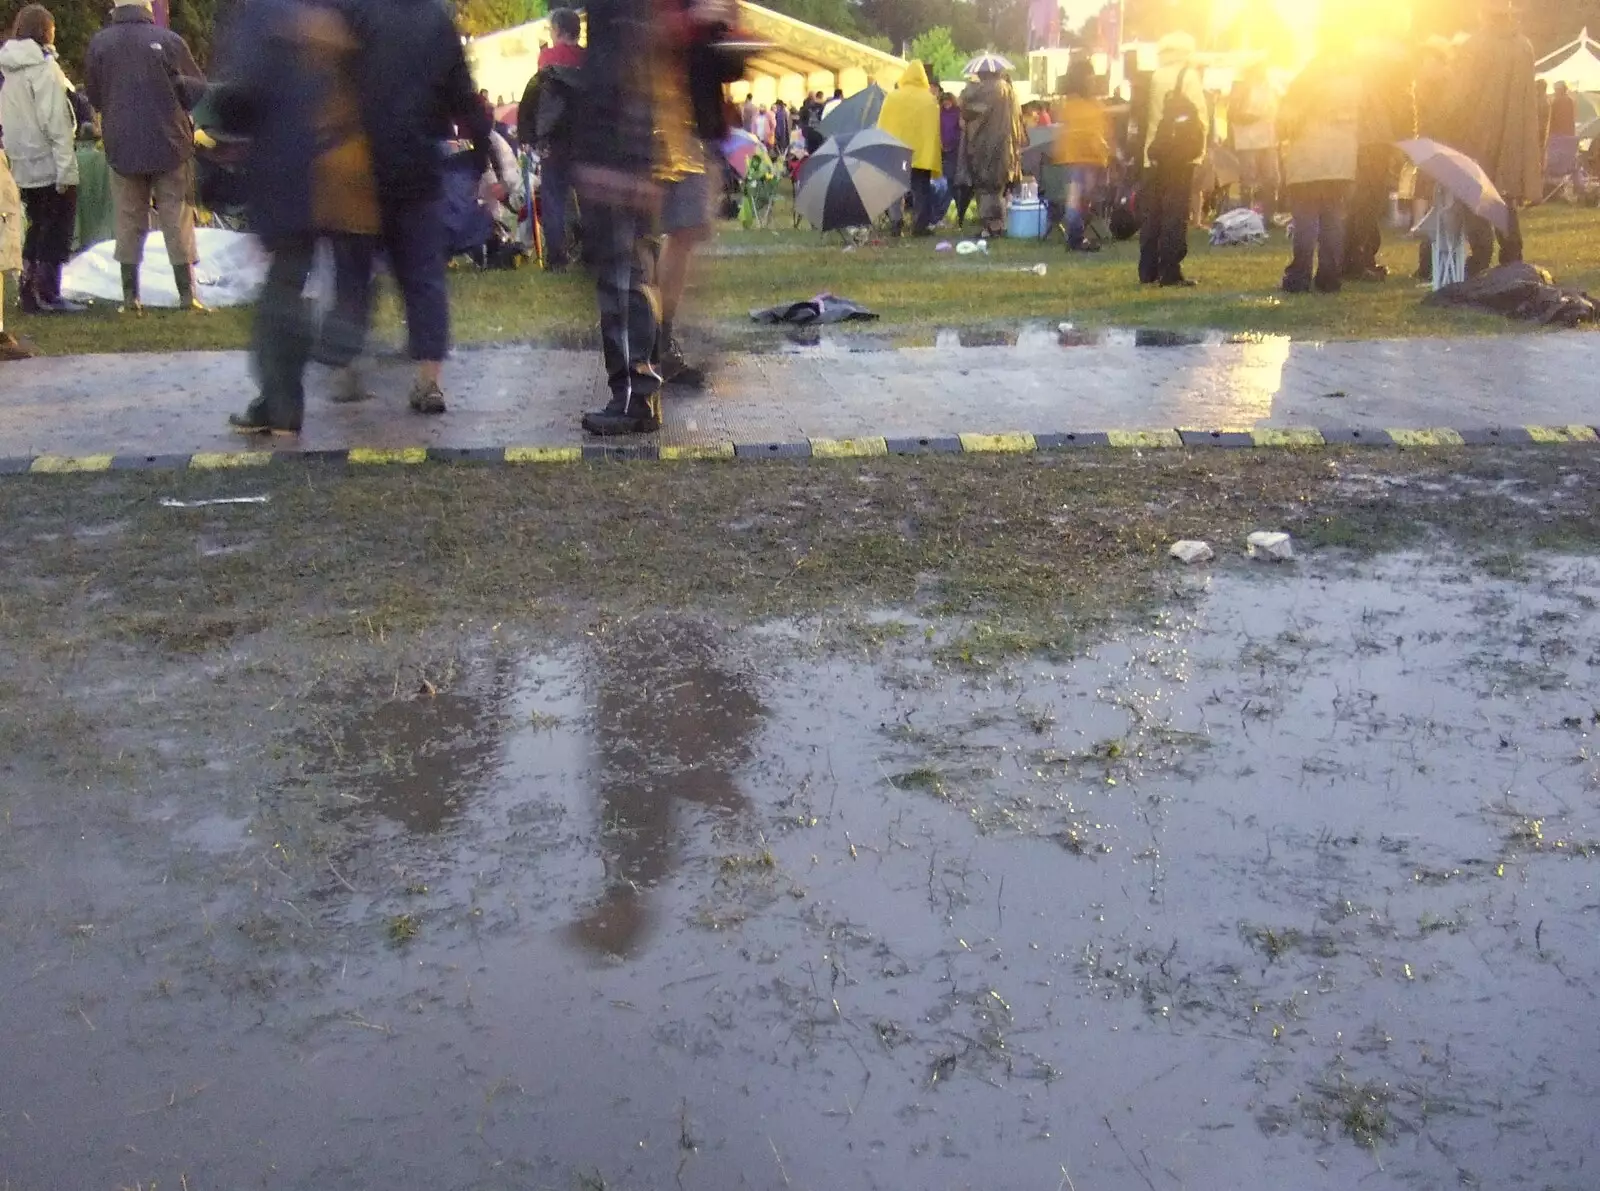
(1433, 91)
(1253, 124)
(1388, 114)
(414, 88)
(1495, 118)
(10, 257)
(290, 87)
(1320, 121)
(143, 80)
(39, 126)
(991, 145)
(1083, 146)
(911, 115)
(547, 121)
(1175, 137)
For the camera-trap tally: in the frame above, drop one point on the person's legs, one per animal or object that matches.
(992, 212)
(173, 193)
(1511, 240)
(921, 201)
(555, 187)
(1152, 205)
(1303, 206)
(59, 219)
(1173, 232)
(1480, 245)
(413, 238)
(1364, 230)
(628, 325)
(685, 225)
(281, 340)
(35, 215)
(1333, 205)
(344, 328)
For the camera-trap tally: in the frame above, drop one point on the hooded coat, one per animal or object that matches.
(1495, 118)
(10, 221)
(1319, 120)
(37, 119)
(911, 115)
(992, 135)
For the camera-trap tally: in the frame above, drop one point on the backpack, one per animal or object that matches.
(548, 108)
(1180, 138)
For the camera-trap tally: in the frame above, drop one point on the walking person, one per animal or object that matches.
(1320, 121)
(547, 122)
(10, 257)
(414, 86)
(1495, 116)
(782, 127)
(1082, 145)
(292, 84)
(991, 145)
(911, 115)
(143, 80)
(39, 126)
(1175, 138)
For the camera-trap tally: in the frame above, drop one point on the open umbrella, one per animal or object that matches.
(1460, 177)
(853, 114)
(853, 179)
(738, 147)
(989, 63)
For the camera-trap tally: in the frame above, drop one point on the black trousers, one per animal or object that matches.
(281, 336)
(52, 220)
(1363, 238)
(1481, 237)
(1164, 236)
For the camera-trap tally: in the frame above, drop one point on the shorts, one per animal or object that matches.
(685, 204)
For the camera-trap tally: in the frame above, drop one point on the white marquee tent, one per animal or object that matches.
(1576, 64)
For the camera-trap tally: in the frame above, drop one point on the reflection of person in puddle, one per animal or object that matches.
(670, 725)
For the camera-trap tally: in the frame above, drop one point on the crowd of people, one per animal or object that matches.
(343, 106)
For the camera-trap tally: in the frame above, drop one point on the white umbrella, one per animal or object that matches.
(987, 63)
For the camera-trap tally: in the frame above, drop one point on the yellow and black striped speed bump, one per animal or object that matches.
(816, 448)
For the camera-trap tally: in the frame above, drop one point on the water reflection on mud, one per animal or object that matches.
(671, 725)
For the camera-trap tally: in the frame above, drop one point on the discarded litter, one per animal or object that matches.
(1191, 552)
(168, 502)
(1271, 547)
(943, 246)
(968, 247)
(1039, 270)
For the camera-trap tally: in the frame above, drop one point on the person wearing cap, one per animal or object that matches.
(143, 80)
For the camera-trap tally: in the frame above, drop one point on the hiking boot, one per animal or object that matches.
(641, 415)
(28, 289)
(130, 291)
(349, 387)
(254, 420)
(184, 276)
(427, 398)
(11, 349)
(677, 371)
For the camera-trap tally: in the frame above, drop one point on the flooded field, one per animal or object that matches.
(1291, 885)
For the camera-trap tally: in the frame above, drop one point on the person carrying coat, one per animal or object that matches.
(1319, 121)
(1166, 191)
(143, 80)
(10, 256)
(991, 146)
(39, 126)
(910, 114)
(1495, 121)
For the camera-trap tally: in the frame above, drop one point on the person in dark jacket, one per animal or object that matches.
(415, 86)
(546, 122)
(143, 80)
(1388, 114)
(290, 83)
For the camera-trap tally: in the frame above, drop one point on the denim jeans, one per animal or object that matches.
(413, 241)
(555, 193)
(1319, 226)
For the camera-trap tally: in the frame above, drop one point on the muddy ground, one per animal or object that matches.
(862, 825)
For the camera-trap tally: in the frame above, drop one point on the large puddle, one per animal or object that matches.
(1294, 889)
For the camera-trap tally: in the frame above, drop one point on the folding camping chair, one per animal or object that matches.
(1446, 224)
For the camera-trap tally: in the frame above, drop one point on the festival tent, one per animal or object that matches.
(1576, 64)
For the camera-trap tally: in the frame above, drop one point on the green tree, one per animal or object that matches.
(477, 17)
(938, 50)
(836, 16)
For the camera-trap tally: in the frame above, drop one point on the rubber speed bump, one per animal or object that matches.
(1436, 437)
(1549, 434)
(521, 455)
(385, 456)
(64, 464)
(1294, 437)
(223, 460)
(848, 448)
(709, 450)
(1144, 440)
(998, 444)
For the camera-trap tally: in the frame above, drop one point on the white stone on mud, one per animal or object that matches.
(1191, 552)
(1270, 547)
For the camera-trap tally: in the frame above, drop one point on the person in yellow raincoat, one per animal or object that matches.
(911, 115)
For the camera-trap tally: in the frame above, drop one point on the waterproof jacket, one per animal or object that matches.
(143, 81)
(1495, 115)
(1083, 134)
(910, 114)
(37, 121)
(548, 114)
(992, 136)
(1319, 120)
(10, 220)
(415, 87)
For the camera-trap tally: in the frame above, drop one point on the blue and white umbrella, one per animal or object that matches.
(988, 63)
(851, 180)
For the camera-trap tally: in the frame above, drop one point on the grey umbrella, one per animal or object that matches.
(1461, 177)
(853, 114)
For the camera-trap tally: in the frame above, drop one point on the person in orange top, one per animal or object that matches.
(1082, 145)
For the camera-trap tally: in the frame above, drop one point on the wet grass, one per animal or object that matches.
(915, 290)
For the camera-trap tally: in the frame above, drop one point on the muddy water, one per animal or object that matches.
(1291, 888)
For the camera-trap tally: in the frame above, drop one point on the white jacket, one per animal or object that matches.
(37, 123)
